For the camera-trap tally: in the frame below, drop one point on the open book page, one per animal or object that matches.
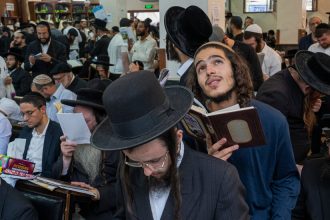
(64, 185)
(74, 127)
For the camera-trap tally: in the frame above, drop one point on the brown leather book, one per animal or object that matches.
(240, 126)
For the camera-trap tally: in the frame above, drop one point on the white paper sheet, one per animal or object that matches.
(16, 148)
(74, 127)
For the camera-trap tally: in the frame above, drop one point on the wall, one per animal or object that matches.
(139, 5)
(323, 8)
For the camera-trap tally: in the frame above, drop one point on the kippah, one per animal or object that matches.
(42, 79)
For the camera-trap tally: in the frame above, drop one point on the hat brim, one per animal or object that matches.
(74, 103)
(102, 63)
(104, 139)
(307, 74)
(171, 17)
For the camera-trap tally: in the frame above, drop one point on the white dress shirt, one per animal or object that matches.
(116, 48)
(145, 51)
(159, 197)
(34, 153)
(272, 61)
(317, 48)
(5, 133)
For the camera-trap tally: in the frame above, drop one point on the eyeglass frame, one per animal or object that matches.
(147, 164)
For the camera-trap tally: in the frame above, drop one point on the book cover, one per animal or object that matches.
(19, 165)
(239, 126)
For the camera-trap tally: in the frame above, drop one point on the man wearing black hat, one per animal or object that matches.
(186, 30)
(102, 67)
(62, 73)
(160, 176)
(102, 41)
(84, 165)
(5, 39)
(20, 79)
(295, 92)
(235, 26)
(43, 53)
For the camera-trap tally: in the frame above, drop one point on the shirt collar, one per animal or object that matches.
(58, 91)
(34, 132)
(183, 68)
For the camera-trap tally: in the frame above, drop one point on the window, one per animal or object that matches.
(258, 6)
(311, 5)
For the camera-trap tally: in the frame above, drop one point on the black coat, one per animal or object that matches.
(21, 81)
(13, 205)
(314, 199)
(51, 149)
(56, 50)
(101, 46)
(77, 84)
(284, 94)
(210, 189)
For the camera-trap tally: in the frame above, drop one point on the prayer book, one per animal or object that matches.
(238, 125)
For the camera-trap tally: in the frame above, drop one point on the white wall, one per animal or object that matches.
(139, 5)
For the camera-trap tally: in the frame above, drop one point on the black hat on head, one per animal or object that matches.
(115, 29)
(139, 112)
(73, 32)
(102, 60)
(314, 69)
(15, 51)
(60, 68)
(187, 28)
(100, 24)
(90, 96)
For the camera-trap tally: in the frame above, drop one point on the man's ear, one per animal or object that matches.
(179, 135)
(43, 109)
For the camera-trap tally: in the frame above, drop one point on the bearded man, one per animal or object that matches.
(44, 53)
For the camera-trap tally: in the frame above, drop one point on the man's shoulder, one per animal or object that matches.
(267, 112)
(57, 44)
(54, 128)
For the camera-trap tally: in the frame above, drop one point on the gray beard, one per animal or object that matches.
(90, 159)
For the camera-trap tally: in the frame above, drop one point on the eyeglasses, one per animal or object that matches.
(28, 113)
(156, 164)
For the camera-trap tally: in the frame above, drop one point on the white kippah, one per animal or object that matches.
(42, 79)
(254, 28)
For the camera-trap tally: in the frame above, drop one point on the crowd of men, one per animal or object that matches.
(140, 162)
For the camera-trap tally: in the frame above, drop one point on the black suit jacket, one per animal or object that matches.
(13, 205)
(77, 84)
(52, 146)
(314, 199)
(210, 189)
(56, 50)
(21, 81)
(101, 46)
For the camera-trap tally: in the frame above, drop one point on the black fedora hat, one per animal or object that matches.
(314, 69)
(187, 28)
(61, 67)
(15, 51)
(100, 24)
(102, 60)
(139, 110)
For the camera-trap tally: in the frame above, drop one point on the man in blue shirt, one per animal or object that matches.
(54, 93)
(268, 172)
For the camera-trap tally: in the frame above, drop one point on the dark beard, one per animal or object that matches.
(12, 68)
(140, 34)
(155, 183)
(47, 41)
(224, 97)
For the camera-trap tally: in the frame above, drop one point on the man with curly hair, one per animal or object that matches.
(268, 172)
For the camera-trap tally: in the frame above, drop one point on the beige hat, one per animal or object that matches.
(42, 79)
(254, 28)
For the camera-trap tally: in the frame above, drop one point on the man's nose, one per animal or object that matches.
(147, 171)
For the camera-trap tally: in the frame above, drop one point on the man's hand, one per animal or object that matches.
(32, 60)
(216, 151)
(67, 147)
(89, 187)
(317, 105)
(8, 80)
(46, 58)
(133, 67)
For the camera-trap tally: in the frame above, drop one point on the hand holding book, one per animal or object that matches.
(217, 149)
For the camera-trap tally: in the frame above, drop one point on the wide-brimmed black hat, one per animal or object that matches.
(90, 96)
(61, 67)
(139, 110)
(102, 60)
(290, 53)
(314, 69)
(15, 51)
(187, 28)
(100, 24)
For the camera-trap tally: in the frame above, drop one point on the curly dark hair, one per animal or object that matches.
(243, 82)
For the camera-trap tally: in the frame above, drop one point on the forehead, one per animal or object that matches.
(315, 20)
(25, 106)
(208, 52)
(147, 151)
(42, 28)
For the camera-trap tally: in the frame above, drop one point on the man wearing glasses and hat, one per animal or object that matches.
(161, 177)
(186, 29)
(295, 92)
(20, 79)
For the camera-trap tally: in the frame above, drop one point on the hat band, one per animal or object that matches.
(318, 70)
(86, 99)
(146, 123)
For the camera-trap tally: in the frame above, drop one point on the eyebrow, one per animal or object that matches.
(210, 57)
